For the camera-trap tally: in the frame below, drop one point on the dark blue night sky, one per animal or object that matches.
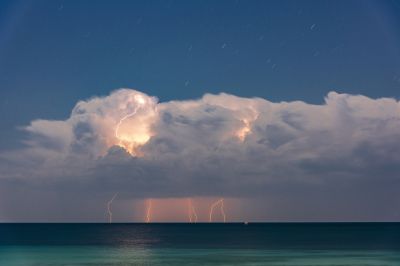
(273, 110)
(54, 53)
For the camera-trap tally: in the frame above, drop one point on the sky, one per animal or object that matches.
(263, 103)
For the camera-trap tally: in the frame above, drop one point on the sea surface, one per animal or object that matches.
(278, 244)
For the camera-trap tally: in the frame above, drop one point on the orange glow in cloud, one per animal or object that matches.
(219, 202)
(245, 130)
(133, 130)
(148, 211)
(109, 208)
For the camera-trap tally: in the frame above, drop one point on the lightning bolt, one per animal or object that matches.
(109, 207)
(148, 211)
(122, 120)
(123, 140)
(192, 212)
(221, 206)
(219, 202)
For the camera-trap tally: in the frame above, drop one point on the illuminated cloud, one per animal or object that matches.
(218, 146)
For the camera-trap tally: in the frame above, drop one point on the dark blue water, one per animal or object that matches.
(201, 244)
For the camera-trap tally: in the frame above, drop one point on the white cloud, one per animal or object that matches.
(217, 145)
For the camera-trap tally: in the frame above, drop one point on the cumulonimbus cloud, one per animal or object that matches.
(217, 145)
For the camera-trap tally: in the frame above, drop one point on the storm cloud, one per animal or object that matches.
(340, 155)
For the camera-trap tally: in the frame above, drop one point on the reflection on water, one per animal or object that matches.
(106, 255)
(326, 244)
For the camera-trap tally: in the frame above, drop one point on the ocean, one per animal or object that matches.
(278, 244)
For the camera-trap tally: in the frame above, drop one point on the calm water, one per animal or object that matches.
(334, 244)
